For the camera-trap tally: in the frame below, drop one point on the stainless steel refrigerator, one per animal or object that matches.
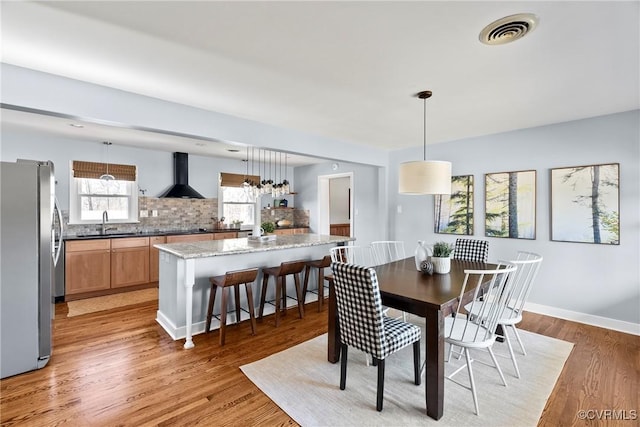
(27, 260)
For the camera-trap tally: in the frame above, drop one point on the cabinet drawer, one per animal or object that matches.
(157, 240)
(129, 242)
(87, 245)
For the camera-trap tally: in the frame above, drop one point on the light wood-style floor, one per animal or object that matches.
(120, 368)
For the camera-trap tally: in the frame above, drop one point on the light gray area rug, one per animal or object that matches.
(305, 385)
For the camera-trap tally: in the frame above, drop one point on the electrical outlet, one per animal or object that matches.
(154, 212)
(144, 213)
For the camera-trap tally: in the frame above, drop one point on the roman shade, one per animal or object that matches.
(94, 170)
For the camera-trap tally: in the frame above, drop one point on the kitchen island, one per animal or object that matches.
(185, 269)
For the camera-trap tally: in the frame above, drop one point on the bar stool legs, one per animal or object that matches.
(320, 264)
(280, 274)
(235, 279)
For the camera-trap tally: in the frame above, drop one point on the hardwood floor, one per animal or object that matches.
(120, 368)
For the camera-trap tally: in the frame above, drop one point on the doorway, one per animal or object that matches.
(335, 204)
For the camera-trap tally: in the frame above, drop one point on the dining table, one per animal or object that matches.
(432, 297)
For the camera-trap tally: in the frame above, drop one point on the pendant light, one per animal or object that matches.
(425, 176)
(107, 176)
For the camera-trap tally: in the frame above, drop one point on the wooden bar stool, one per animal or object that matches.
(280, 274)
(235, 279)
(320, 264)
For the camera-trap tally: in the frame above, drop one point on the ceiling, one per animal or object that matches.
(342, 70)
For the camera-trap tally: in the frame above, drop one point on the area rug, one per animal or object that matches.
(301, 382)
(107, 302)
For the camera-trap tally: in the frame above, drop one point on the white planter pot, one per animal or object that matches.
(441, 265)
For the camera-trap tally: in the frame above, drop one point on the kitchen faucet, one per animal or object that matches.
(105, 218)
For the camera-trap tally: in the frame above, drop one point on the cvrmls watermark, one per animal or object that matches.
(608, 414)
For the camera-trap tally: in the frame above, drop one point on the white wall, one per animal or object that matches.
(596, 281)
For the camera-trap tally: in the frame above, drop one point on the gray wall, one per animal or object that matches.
(155, 168)
(368, 196)
(592, 280)
(581, 279)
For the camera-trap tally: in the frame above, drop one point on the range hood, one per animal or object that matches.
(181, 188)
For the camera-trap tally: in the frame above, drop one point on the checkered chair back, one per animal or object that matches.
(471, 250)
(359, 308)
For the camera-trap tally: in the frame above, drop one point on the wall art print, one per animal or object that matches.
(510, 204)
(585, 204)
(454, 213)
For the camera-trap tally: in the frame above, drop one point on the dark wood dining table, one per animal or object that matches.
(430, 296)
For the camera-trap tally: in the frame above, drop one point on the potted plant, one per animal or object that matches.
(268, 227)
(440, 257)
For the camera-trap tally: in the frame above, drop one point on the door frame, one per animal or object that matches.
(324, 208)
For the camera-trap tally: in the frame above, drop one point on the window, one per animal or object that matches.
(90, 196)
(236, 205)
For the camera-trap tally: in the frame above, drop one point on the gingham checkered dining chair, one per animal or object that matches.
(471, 250)
(364, 327)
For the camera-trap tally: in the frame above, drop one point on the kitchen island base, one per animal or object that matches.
(185, 269)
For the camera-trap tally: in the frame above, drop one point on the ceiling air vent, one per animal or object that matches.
(508, 29)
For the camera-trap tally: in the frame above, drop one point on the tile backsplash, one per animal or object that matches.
(181, 214)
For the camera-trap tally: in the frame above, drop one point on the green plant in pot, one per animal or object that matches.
(440, 257)
(442, 249)
(268, 227)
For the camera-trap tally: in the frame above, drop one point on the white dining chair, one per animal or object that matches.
(388, 250)
(461, 330)
(528, 264)
(350, 254)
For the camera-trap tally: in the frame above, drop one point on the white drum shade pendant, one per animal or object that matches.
(425, 176)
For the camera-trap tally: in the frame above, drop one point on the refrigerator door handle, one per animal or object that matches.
(56, 209)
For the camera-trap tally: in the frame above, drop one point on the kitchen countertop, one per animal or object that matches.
(151, 233)
(147, 233)
(212, 248)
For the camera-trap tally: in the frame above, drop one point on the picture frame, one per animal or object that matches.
(453, 214)
(510, 204)
(585, 204)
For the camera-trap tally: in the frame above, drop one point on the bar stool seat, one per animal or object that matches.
(235, 279)
(320, 264)
(280, 274)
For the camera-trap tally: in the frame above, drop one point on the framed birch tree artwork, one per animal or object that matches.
(585, 204)
(510, 204)
(454, 213)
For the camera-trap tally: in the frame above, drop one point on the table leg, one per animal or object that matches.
(333, 333)
(189, 281)
(434, 383)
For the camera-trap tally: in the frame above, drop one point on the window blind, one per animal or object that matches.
(95, 170)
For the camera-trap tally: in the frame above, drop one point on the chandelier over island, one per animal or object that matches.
(270, 180)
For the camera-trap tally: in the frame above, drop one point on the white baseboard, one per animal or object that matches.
(588, 319)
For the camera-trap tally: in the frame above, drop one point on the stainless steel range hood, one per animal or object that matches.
(181, 188)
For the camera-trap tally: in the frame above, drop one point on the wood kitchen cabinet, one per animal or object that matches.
(129, 261)
(289, 231)
(183, 238)
(87, 266)
(154, 257)
(225, 235)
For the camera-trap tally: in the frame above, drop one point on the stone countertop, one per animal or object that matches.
(211, 248)
(148, 233)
